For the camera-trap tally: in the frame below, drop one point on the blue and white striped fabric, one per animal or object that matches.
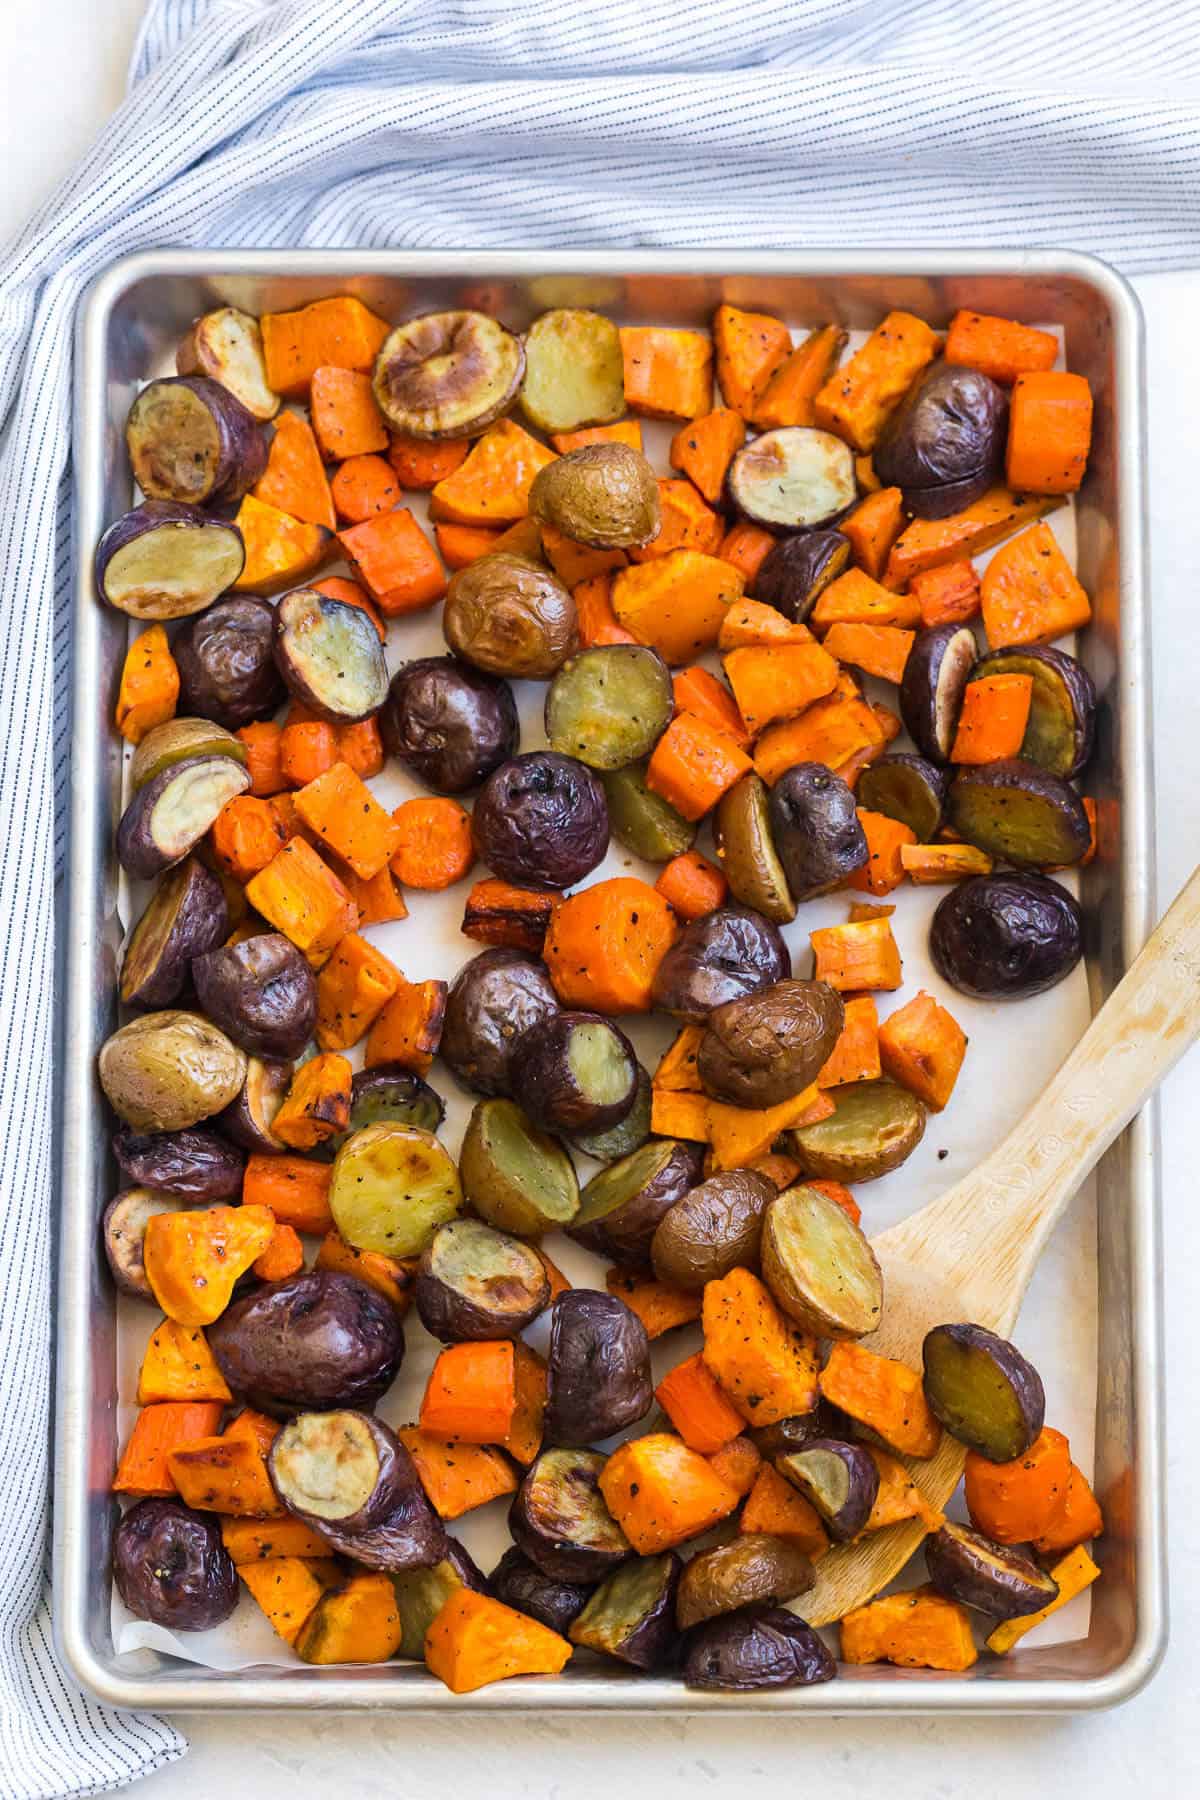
(422, 123)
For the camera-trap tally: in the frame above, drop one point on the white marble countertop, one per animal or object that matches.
(1150, 1747)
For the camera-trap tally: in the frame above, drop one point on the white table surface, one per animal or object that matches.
(1151, 1747)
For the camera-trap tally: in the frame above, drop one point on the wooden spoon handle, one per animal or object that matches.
(1016, 1195)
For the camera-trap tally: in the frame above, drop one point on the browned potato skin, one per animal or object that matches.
(509, 616)
(604, 495)
(754, 1570)
(760, 1050)
(448, 374)
(714, 1228)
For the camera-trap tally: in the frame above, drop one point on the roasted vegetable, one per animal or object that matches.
(330, 656)
(815, 828)
(752, 1570)
(165, 1071)
(559, 1519)
(944, 447)
(746, 851)
(226, 669)
(792, 478)
(186, 916)
(474, 1282)
(181, 740)
(197, 1163)
(1002, 937)
(314, 1343)
(725, 955)
(124, 1232)
(392, 1186)
(247, 1120)
(389, 1093)
(516, 1177)
(541, 819)
(762, 1049)
(875, 1127)
(626, 1136)
(226, 345)
(171, 812)
(190, 440)
(1020, 813)
(450, 724)
(609, 705)
(447, 374)
(840, 1479)
(510, 616)
(744, 1651)
(1002, 1582)
(262, 993)
(421, 1594)
(983, 1391)
(713, 1228)
(796, 571)
(795, 1431)
(578, 1072)
(171, 1567)
(916, 1629)
(819, 1266)
(936, 674)
(574, 370)
(642, 820)
(598, 1369)
(621, 1208)
(498, 1001)
(1062, 712)
(602, 495)
(522, 1585)
(348, 1477)
(631, 1615)
(166, 561)
(662, 1493)
(908, 788)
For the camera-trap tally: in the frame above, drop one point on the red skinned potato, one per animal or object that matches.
(450, 724)
(317, 1342)
(247, 1121)
(348, 1477)
(577, 1073)
(621, 1207)
(559, 1519)
(192, 440)
(186, 916)
(496, 1001)
(166, 561)
(262, 993)
(226, 670)
(477, 1283)
(198, 1164)
(171, 1567)
(598, 1377)
(226, 345)
(740, 1652)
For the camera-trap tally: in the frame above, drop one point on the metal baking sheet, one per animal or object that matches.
(128, 326)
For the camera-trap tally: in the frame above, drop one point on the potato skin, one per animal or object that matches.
(876, 1126)
(712, 1229)
(723, 956)
(740, 1652)
(197, 1163)
(936, 672)
(123, 1230)
(1005, 1382)
(509, 616)
(152, 599)
(626, 1232)
(753, 1570)
(521, 1584)
(447, 374)
(996, 1579)
(395, 1528)
(598, 1368)
(545, 1085)
(603, 495)
(760, 1050)
(186, 916)
(207, 783)
(500, 997)
(167, 467)
(1002, 937)
(793, 575)
(944, 446)
(816, 829)
(226, 667)
(502, 1288)
(448, 723)
(559, 1520)
(247, 1121)
(171, 1567)
(541, 820)
(262, 993)
(165, 1071)
(314, 1343)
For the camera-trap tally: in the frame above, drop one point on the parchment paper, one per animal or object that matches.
(1013, 1050)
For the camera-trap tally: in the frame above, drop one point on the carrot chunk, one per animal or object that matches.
(598, 623)
(745, 546)
(693, 764)
(363, 486)
(883, 870)
(929, 863)
(396, 562)
(295, 1189)
(855, 1056)
(857, 957)
(433, 847)
(998, 348)
(475, 1640)
(499, 913)
(457, 1477)
(1049, 432)
(352, 990)
(922, 1047)
(697, 1408)
(625, 431)
(927, 543)
(461, 545)
(692, 886)
(317, 1105)
(738, 1463)
(409, 1029)
(790, 394)
(661, 1308)
(471, 1393)
(991, 725)
(698, 691)
(244, 836)
(262, 743)
(392, 1276)
(421, 464)
(283, 1256)
(873, 528)
(604, 945)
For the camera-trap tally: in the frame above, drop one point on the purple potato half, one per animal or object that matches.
(187, 915)
(349, 1477)
(124, 1233)
(226, 668)
(939, 666)
(1003, 937)
(621, 1207)
(559, 1520)
(498, 1000)
(796, 571)
(1020, 813)
(541, 820)
(723, 956)
(450, 724)
(631, 1615)
(817, 833)
(191, 440)
(578, 1072)
(476, 1283)
(908, 788)
(330, 656)
(983, 1390)
(794, 477)
(318, 1342)
(743, 1651)
(262, 993)
(171, 1567)
(840, 1479)
(520, 1584)
(944, 446)
(169, 815)
(598, 1377)
(165, 561)
(995, 1579)
(197, 1164)
(227, 346)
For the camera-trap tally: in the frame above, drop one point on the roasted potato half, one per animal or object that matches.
(574, 371)
(447, 374)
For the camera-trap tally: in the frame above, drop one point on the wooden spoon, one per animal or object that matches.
(969, 1254)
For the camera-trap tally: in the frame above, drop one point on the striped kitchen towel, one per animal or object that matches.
(426, 123)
